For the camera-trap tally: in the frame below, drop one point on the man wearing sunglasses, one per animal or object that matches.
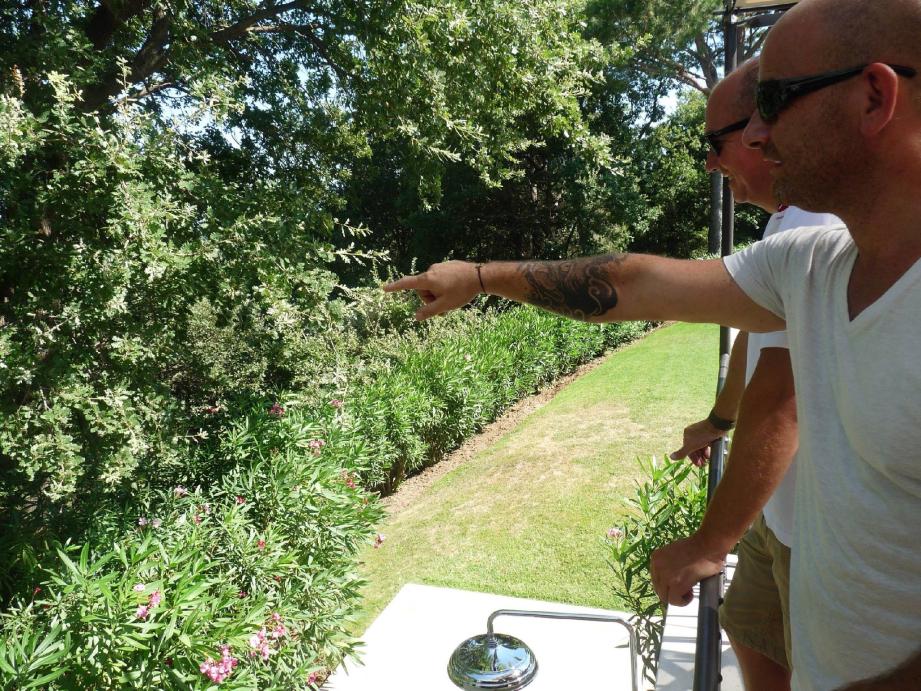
(850, 299)
(755, 613)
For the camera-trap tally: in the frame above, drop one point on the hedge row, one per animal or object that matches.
(244, 575)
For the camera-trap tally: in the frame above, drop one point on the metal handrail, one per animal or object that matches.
(578, 616)
(707, 662)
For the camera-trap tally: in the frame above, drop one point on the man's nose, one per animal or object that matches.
(756, 132)
(712, 161)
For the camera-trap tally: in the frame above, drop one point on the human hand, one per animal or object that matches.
(697, 440)
(678, 566)
(442, 288)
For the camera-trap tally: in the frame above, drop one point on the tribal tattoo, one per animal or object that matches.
(577, 288)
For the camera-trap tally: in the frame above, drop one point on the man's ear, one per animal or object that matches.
(880, 94)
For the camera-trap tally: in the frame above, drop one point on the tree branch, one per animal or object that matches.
(106, 20)
(755, 46)
(147, 90)
(657, 67)
(707, 60)
(151, 57)
(243, 26)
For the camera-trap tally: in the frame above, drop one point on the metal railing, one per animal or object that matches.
(707, 663)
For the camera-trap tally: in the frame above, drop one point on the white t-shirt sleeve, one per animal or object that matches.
(775, 339)
(755, 271)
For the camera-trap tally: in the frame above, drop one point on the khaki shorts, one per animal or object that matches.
(756, 608)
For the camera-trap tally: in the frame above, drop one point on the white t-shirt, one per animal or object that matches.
(855, 581)
(778, 512)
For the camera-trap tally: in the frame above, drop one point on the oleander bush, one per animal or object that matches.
(237, 567)
(668, 506)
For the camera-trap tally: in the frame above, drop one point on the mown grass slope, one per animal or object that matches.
(527, 515)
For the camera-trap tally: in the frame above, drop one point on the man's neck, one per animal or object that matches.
(887, 230)
(887, 233)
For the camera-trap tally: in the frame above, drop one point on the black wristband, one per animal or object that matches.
(720, 423)
(480, 276)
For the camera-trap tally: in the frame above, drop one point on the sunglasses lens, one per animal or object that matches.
(770, 100)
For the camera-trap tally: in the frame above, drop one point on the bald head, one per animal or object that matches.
(853, 32)
(736, 92)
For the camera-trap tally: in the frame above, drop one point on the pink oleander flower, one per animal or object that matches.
(196, 519)
(155, 598)
(276, 617)
(206, 508)
(138, 587)
(347, 478)
(276, 410)
(615, 533)
(218, 671)
(313, 678)
(336, 403)
(279, 632)
(240, 500)
(156, 523)
(142, 612)
(260, 544)
(142, 521)
(260, 645)
(180, 491)
(242, 594)
(379, 540)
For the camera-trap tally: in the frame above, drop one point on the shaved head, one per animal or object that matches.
(853, 32)
(733, 100)
(859, 31)
(839, 148)
(736, 92)
(747, 74)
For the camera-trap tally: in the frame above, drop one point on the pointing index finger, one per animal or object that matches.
(405, 283)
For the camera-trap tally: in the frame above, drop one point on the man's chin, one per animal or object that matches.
(783, 194)
(738, 192)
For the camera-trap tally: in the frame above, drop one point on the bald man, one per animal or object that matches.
(755, 613)
(839, 104)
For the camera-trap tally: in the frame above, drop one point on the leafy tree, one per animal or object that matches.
(172, 175)
(670, 212)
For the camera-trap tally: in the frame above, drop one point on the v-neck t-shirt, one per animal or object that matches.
(779, 511)
(855, 582)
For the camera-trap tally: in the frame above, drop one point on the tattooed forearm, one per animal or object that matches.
(578, 288)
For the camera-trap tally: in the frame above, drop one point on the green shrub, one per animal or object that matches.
(419, 394)
(160, 328)
(270, 544)
(669, 505)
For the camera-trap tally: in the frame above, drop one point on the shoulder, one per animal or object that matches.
(790, 256)
(810, 240)
(795, 217)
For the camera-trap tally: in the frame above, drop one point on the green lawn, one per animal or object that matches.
(526, 517)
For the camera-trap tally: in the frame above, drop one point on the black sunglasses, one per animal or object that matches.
(714, 138)
(775, 95)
